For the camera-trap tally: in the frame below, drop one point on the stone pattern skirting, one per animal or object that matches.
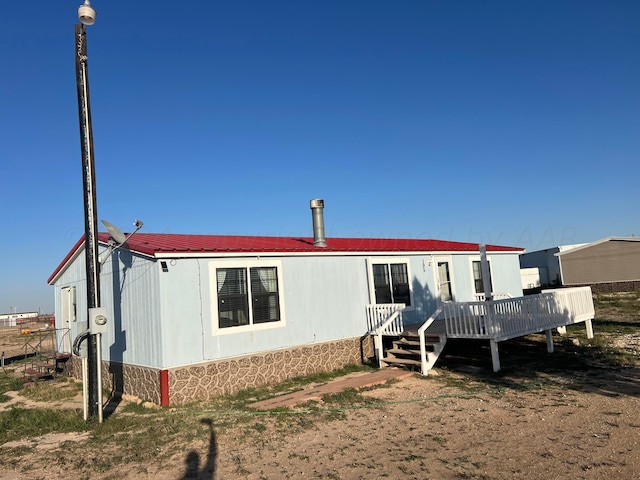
(206, 381)
(142, 382)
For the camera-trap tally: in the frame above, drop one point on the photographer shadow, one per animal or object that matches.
(194, 470)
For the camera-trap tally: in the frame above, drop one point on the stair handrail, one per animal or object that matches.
(64, 333)
(423, 341)
(377, 310)
(382, 330)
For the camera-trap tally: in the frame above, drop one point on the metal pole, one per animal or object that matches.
(486, 273)
(85, 390)
(98, 338)
(90, 212)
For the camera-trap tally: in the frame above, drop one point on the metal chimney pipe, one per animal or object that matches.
(317, 208)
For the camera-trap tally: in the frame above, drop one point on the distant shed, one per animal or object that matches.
(610, 264)
(613, 261)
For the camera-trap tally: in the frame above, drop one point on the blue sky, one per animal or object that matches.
(504, 122)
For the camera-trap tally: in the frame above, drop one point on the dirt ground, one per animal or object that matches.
(563, 418)
(585, 426)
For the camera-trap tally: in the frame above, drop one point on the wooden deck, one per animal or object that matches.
(496, 321)
(438, 327)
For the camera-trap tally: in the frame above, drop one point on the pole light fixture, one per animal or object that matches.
(86, 13)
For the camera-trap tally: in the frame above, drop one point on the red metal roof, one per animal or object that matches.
(153, 244)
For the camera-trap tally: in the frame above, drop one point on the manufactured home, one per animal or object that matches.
(195, 316)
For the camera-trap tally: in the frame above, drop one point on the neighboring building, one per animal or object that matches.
(195, 316)
(610, 264)
(530, 278)
(13, 319)
(546, 261)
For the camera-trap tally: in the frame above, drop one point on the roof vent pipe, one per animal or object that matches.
(317, 213)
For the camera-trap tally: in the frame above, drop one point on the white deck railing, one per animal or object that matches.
(496, 320)
(500, 320)
(496, 296)
(514, 317)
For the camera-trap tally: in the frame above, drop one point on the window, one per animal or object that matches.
(264, 288)
(247, 296)
(233, 305)
(391, 283)
(477, 277)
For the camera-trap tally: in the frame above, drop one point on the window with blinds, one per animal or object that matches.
(264, 294)
(235, 286)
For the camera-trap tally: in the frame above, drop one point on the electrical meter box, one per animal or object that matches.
(98, 320)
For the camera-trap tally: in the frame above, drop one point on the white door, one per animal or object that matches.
(68, 313)
(444, 280)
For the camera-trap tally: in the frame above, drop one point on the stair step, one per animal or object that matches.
(402, 361)
(416, 338)
(404, 351)
(60, 357)
(44, 365)
(410, 343)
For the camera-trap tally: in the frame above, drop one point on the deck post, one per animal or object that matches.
(377, 342)
(495, 356)
(549, 341)
(589, 326)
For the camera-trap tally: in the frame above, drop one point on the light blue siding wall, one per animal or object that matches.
(186, 312)
(423, 289)
(323, 299)
(131, 296)
(131, 299)
(462, 278)
(505, 275)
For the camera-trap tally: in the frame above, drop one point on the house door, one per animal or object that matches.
(445, 286)
(68, 313)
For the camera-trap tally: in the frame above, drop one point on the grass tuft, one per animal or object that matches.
(52, 391)
(8, 383)
(19, 423)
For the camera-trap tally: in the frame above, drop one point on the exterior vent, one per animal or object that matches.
(317, 213)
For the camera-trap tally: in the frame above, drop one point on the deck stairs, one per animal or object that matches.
(405, 351)
(43, 359)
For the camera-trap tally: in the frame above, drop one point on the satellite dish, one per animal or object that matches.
(115, 232)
